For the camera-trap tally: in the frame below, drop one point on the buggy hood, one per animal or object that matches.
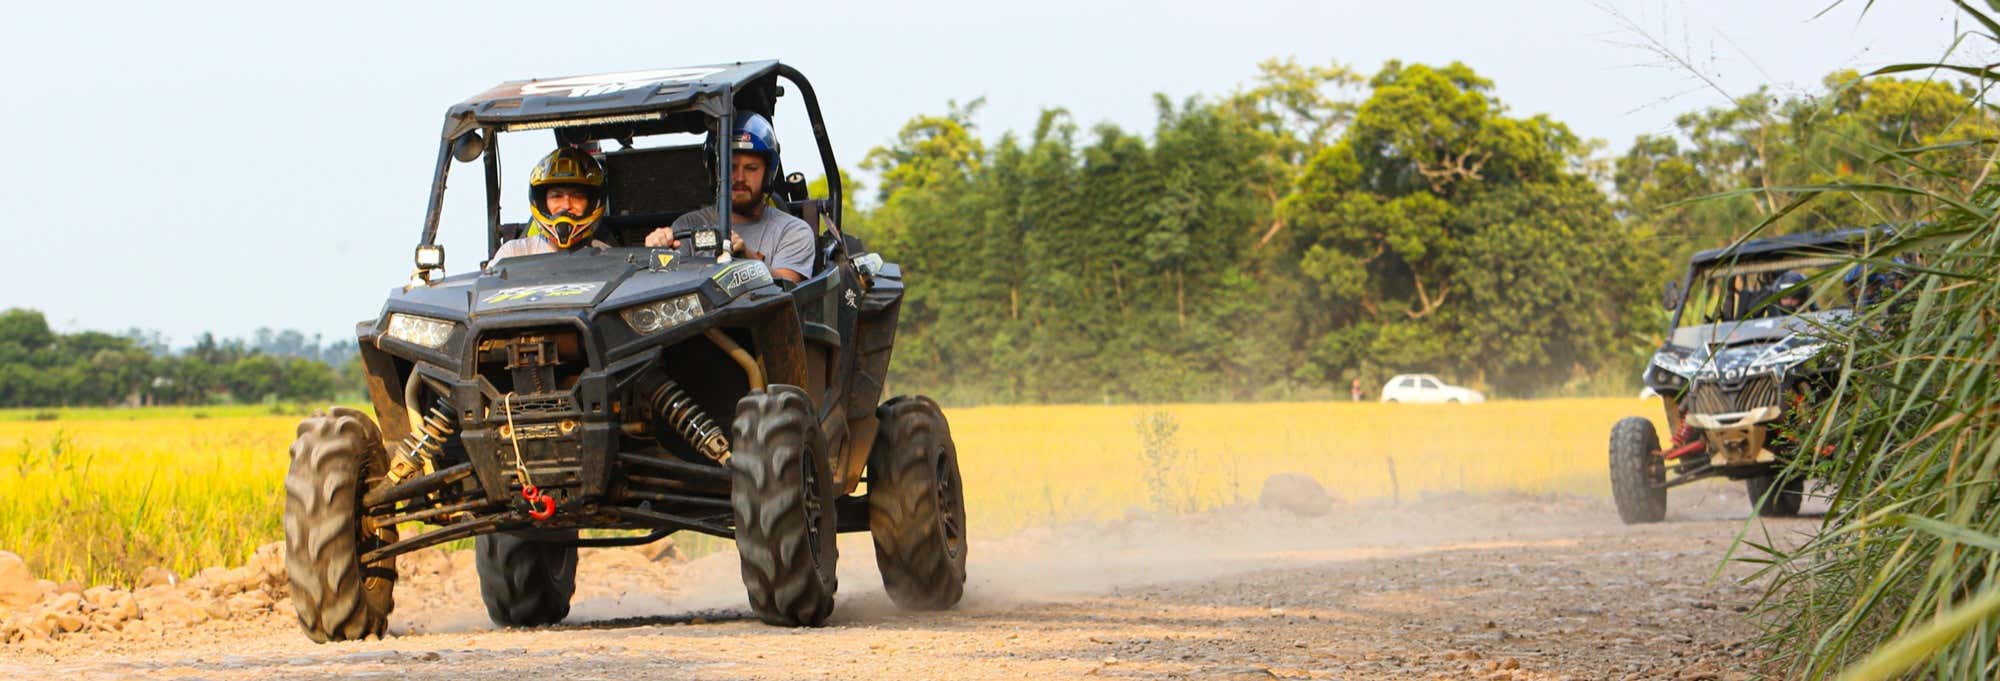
(603, 278)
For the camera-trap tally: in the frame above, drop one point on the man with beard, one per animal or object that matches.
(758, 231)
(565, 192)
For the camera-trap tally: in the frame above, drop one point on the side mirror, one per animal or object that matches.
(1671, 299)
(468, 147)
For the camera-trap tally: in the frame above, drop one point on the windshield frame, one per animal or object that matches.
(1708, 286)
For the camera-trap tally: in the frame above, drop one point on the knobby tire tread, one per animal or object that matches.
(1636, 472)
(526, 578)
(774, 437)
(922, 568)
(336, 597)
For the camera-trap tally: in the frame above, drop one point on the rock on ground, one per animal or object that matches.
(1296, 493)
(18, 586)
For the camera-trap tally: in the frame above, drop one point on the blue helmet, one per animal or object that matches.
(1876, 277)
(752, 132)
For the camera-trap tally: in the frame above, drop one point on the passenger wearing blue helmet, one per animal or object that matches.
(757, 230)
(1869, 286)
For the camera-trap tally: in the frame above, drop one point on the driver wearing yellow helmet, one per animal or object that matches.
(566, 194)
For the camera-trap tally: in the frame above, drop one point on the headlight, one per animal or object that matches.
(423, 331)
(1681, 366)
(1664, 378)
(665, 314)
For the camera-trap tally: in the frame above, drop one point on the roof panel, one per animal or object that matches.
(603, 94)
(1843, 239)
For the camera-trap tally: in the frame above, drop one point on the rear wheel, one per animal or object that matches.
(916, 506)
(1781, 503)
(526, 578)
(337, 454)
(781, 488)
(1637, 472)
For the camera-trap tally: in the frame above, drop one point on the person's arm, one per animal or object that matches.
(794, 258)
(511, 248)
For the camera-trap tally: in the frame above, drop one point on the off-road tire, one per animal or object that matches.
(1637, 471)
(1783, 504)
(916, 505)
(527, 577)
(337, 453)
(781, 488)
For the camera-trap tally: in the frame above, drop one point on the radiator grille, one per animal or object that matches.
(531, 407)
(1743, 395)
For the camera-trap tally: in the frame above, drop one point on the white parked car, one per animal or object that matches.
(1427, 389)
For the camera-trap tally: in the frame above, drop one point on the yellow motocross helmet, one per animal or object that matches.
(566, 166)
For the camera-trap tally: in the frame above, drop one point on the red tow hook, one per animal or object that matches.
(540, 506)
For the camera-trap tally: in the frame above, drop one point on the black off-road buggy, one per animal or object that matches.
(1740, 370)
(633, 389)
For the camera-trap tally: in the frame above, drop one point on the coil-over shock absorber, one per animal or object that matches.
(421, 447)
(673, 404)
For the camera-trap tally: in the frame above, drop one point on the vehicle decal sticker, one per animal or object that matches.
(530, 294)
(666, 259)
(606, 83)
(742, 276)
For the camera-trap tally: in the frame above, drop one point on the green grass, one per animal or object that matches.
(97, 501)
(1903, 579)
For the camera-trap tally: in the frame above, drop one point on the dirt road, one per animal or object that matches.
(1488, 588)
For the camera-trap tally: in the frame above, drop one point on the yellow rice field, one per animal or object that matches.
(96, 495)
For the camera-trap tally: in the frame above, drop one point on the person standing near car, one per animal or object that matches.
(566, 195)
(757, 230)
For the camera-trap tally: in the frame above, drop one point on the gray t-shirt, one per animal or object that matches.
(785, 241)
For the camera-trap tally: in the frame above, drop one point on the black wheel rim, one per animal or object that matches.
(813, 511)
(949, 511)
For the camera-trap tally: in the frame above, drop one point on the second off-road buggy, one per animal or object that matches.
(624, 388)
(1744, 358)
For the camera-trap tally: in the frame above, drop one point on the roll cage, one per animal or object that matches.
(1734, 275)
(620, 107)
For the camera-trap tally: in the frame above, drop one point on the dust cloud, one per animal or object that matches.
(1046, 564)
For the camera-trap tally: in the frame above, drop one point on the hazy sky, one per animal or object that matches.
(195, 166)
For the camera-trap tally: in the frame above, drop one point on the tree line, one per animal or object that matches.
(1313, 227)
(41, 368)
(1319, 226)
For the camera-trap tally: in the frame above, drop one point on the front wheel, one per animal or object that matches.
(916, 506)
(1637, 472)
(781, 489)
(338, 453)
(1783, 502)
